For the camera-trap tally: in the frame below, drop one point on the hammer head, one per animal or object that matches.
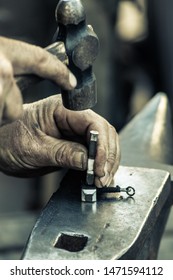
(82, 46)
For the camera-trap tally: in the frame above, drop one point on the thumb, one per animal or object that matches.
(66, 154)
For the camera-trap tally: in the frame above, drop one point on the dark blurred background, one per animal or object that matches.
(135, 62)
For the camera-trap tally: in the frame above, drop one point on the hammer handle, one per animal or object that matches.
(57, 49)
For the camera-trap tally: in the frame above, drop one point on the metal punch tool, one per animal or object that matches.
(88, 190)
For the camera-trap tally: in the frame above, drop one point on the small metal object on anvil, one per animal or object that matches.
(130, 191)
(88, 191)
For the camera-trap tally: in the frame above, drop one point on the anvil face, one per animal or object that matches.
(107, 229)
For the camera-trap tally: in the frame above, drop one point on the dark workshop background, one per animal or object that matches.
(134, 63)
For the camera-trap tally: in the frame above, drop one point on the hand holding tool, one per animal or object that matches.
(57, 49)
(75, 42)
(88, 189)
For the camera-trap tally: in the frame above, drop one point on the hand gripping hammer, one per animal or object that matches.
(77, 45)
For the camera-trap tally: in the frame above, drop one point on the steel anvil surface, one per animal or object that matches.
(107, 229)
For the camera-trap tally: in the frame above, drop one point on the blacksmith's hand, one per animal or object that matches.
(48, 136)
(17, 57)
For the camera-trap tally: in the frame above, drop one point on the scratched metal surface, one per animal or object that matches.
(119, 225)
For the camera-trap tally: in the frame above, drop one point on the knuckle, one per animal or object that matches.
(40, 59)
(22, 141)
(102, 154)
(43, 57)
(112, 157)
(20, 133)
(69, 155)
(62, 75)
(100, 161)
(40, 54)
(61, 155)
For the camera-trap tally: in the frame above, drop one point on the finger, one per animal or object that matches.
(6, 73)
(116, 161)
(82, 123)
(2, 101)
(112, 161)
(63, 153)
(27, 59)
(108, 154)
(13, 105)
(10, 97)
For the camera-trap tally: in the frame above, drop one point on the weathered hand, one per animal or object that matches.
(48, 135)
(17, 57)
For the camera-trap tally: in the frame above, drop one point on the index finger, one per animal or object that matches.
(30, 59)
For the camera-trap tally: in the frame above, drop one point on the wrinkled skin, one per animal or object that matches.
(50, 136)
(17, 57)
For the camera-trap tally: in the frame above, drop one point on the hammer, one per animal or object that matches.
(81, 48)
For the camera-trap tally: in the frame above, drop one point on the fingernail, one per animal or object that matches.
(80, 161)
(72, 80)
(105, 179)
(98, 183)
(110, 182)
